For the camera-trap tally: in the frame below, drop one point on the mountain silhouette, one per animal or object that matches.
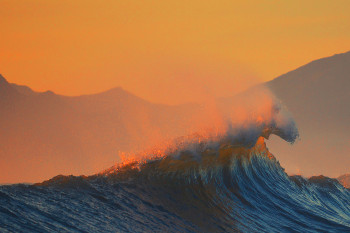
(6, 90)
(317, 94)
(45, 134)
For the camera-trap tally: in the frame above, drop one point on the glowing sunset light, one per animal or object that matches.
(174, 116)
(165, 51)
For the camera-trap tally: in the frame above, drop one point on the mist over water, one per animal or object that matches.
(45, 134)
(218, 176)
(226, 182)
(243, 118)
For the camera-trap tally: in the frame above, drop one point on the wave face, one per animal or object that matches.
(226, 182)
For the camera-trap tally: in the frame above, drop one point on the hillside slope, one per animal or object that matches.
(318, 96)
(44, 134)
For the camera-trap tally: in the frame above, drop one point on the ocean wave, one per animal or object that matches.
(218, 181)
(230, 189)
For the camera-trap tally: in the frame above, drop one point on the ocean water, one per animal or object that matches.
(230, 183)
(230, 189)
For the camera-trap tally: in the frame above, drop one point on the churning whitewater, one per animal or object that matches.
(217, 182)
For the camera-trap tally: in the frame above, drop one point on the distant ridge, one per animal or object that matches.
(25, 90)
(2, 80)
(8, 94)
(5, 87)
(45, 134)
(337, 60)
(317, 94)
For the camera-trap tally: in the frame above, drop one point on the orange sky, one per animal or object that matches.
(165, 51)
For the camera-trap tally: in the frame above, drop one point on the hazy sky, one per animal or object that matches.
(165, 51)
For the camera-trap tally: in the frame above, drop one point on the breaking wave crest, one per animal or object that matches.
(218, 181)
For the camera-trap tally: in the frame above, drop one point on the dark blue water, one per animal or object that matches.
(228, 189)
